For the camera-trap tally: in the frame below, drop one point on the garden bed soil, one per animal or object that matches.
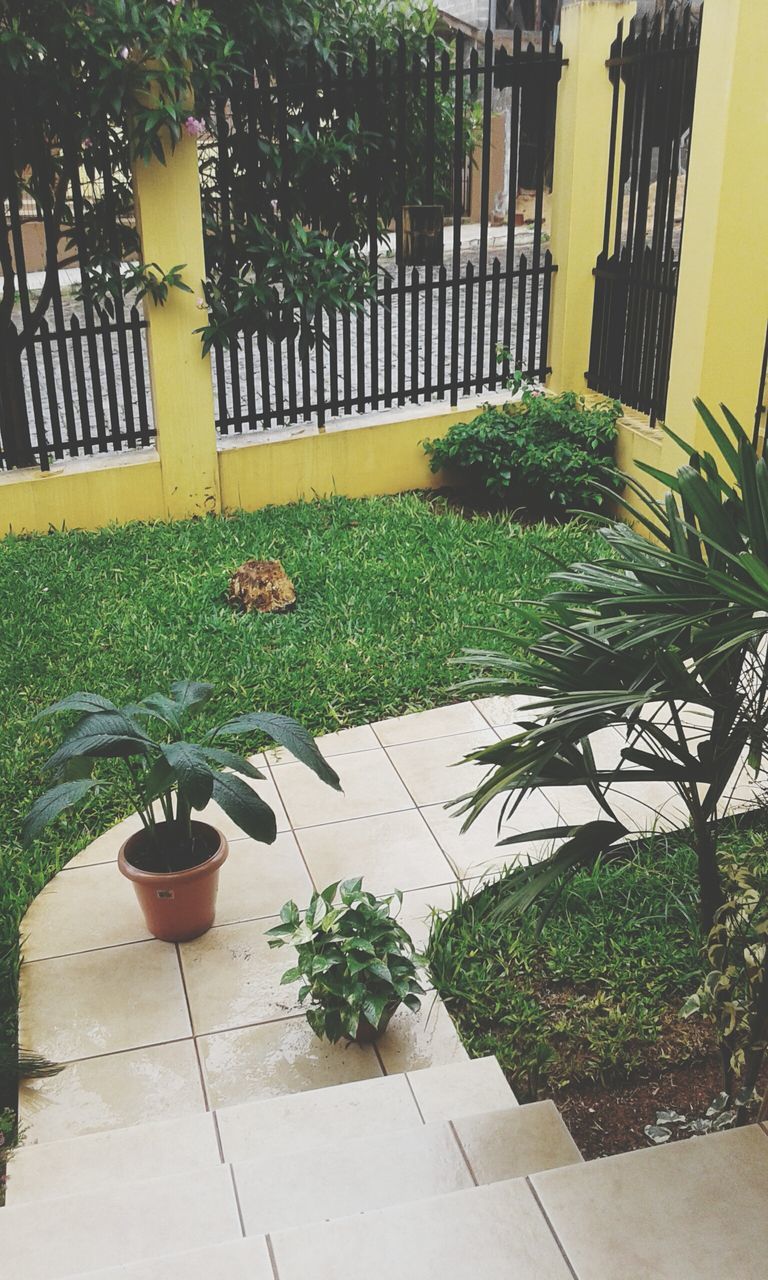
(607, 1119)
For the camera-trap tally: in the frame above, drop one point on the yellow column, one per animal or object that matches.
(722, 300)
(170, 223)
(579, 180)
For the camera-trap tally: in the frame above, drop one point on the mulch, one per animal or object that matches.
(607, 1119)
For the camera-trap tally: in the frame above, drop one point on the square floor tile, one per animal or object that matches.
(276, 1058)
(461, 717)
(491, 1233)
(111, 1092)
(232, 977)
(370, 783)
(341, 743)
(105, 847)
(103, 1001)
(415, 914)
(438, 772)
(257, 879)
(460, 1089)
(390, 851)
(500, 710)
(473, 851)
(318, 1117)
(640, 1214)
(648, 806)
(424, 1039)
(277, 1191)
(214, 813)
(82, 910)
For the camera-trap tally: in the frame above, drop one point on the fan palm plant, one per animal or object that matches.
(659, 633)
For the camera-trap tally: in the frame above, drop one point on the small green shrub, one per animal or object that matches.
(355, 962)
(543, 452)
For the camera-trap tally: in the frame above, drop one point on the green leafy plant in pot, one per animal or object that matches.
(173, 860)
(356, 963)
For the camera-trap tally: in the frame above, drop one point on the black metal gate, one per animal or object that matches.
(430, 330)
(637, 269)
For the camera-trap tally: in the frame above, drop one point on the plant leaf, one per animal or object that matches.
(194, 773)
(77, 702)
(289, 734)
(51, 804)
(245, 807)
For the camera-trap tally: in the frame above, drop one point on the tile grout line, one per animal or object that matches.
(554, 1234)
(407, 1075)
(418, 809)
(464, 1155)
(214, 1116)
(272, 1258)
(203, 1085)
(238, 1206)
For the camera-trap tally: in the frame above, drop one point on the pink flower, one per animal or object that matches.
(87, 143)
(194, 127)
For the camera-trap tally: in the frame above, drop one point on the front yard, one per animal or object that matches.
(389, 590)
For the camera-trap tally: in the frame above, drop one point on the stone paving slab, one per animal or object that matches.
(139, 1021)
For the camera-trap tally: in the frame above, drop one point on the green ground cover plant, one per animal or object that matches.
(388, 590)
(544, 453)
(598, 993)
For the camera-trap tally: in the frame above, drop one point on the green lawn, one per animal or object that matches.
(388, 590)
(596, 995)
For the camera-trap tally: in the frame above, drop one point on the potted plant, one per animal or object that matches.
(356, 963)
(173, 861)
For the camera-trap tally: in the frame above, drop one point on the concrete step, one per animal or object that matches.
(235, 1260)
(235, 1134)
(334, 1154)
(289, 1186)
(497, 1232)
(72, 1235)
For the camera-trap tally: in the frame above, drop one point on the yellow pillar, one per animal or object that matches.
(168, 211)
(722, 299)
(579, 180)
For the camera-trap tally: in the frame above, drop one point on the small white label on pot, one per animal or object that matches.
(165, 893)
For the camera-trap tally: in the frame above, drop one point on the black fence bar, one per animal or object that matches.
(78, 370)
(637, 270)
(437, 126)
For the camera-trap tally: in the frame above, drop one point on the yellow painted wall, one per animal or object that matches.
(579, 182)
(252, 472)
(87, 494)
(722, 299)
(356, 461)
(170, 222)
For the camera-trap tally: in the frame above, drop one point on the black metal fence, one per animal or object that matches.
(73, 378)
(637, 269)
(430, 330)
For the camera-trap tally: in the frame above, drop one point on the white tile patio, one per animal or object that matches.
(154, 1031)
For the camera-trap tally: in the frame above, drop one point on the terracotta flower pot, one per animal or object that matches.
(177, 905)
